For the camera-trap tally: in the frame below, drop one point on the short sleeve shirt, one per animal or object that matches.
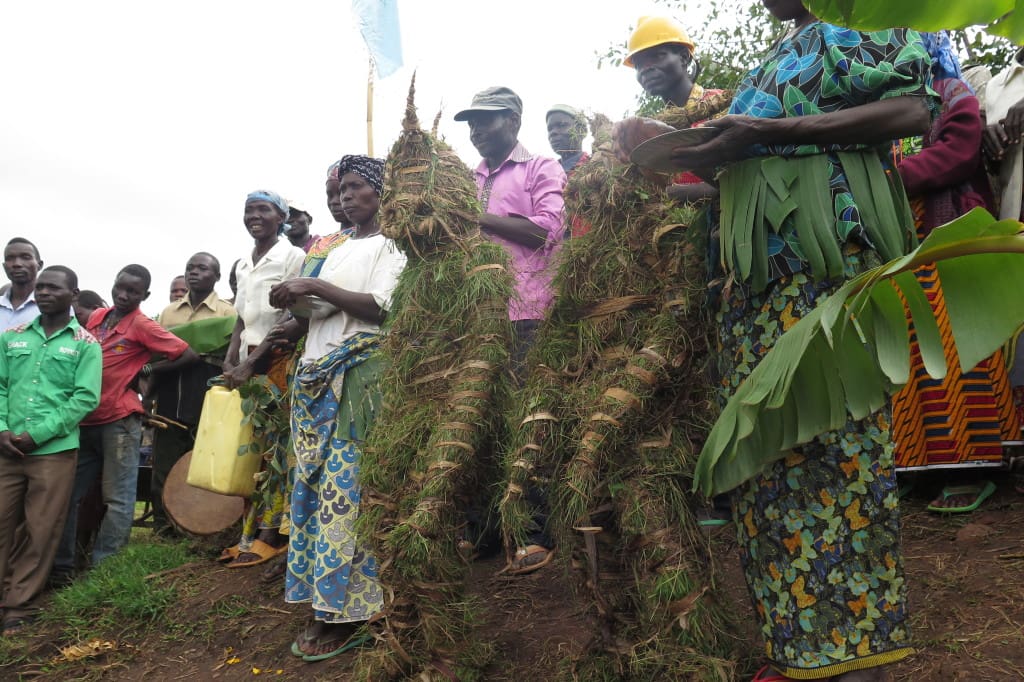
(824, 69)
(129, 345)
(179, 394)
(368, 266)
(252, 302)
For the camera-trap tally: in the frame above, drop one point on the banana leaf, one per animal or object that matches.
(873, 15)
(852, 351)
(211, 335)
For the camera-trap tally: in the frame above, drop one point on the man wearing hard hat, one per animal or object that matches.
(663, 55)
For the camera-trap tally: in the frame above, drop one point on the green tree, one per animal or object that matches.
(978, 47)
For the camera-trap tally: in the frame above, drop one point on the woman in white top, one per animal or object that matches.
(272, 260)
(334, 401)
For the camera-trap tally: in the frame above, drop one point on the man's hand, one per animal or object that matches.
(24, 442)
(7, 446)
(1013, 123)
(994, 141)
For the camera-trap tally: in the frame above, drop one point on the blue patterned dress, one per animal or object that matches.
(819, 530)
(334, 401)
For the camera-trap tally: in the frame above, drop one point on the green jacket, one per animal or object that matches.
(48, 385)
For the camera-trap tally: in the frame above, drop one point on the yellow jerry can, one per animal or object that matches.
(216, 462)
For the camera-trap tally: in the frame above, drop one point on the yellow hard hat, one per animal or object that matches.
(652, 31)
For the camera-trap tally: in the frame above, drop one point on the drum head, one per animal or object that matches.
(195, 510)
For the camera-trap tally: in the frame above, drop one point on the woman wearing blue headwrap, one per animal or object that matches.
(272, 260)
(959, 421)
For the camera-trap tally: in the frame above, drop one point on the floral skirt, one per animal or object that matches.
(819, 531)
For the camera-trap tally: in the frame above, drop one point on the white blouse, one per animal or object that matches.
(252, 302)
(368, 266)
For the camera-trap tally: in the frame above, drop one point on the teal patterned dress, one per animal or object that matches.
(819, 531)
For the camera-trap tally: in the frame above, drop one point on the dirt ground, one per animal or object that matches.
(964, 575)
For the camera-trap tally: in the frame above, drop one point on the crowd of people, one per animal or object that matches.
(819, 531)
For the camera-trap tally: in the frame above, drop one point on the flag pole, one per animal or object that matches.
(369, 111)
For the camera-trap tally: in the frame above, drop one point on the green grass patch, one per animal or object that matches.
(116, 596)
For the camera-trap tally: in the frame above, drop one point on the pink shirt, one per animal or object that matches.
(527, 186)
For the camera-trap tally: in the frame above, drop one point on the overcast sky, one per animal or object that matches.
(132, 131)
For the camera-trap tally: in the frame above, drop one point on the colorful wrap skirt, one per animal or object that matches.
(819, 531)
(334, 401)
(957, 421)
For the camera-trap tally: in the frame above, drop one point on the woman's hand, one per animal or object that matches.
(285, 294)
(628, 133)
(284, 335)
(737, 134)
(235, 377)
(692, 193)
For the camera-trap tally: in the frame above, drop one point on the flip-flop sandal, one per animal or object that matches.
(467, 550)
(352, 642)
(261, 549)
(712, 518)
(229, 554)
(12, 626)
(518, 565)
(304, 636)
(981, 492)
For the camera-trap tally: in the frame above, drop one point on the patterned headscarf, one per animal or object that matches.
(332, 171)
(371, 170)
(945, 63)
(271, 197)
